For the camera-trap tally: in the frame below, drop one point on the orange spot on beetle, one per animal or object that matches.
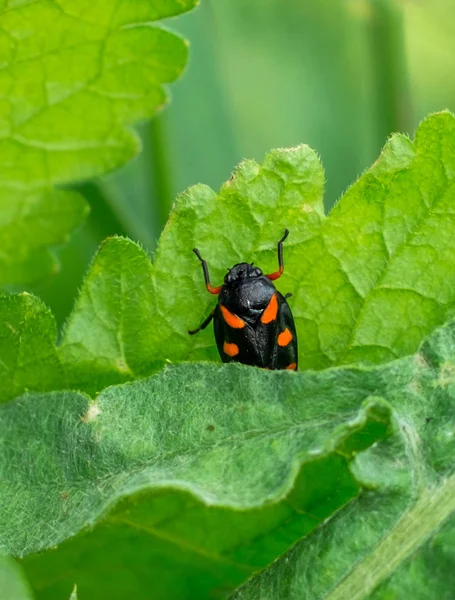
(271, 310)
(230, 349)
(285, 337)
(232, 320)
(292, 367)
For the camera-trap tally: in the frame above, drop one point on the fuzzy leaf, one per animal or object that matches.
(12, 583)
(398, 540)
(28, 355)
(131, 316)
(370, 281)
(74, 74)
(151, 489)
(136, 461)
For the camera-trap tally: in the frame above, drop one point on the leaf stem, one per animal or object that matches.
(416, 526)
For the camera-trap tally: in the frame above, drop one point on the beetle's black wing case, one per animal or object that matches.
(259, 345)
(285, 356)
(230, 340)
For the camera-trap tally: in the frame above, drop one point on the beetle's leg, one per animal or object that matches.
(288, 295)
(273, 276)
(203, 325)
(212, 290)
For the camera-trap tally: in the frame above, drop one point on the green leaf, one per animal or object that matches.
(12, 582)
(151, 488)
(77, 72)
(396, 542)
(111, 335)
(370, 281)
(28, 356)
(139, 436)
(29, 225)
(131, 316)
(74, 74)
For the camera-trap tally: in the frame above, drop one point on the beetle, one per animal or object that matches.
(252, 321)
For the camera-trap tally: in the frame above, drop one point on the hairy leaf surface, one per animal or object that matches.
(129, 469)
(398, 541)
(153, 489)
(369, 281)
(165, 472)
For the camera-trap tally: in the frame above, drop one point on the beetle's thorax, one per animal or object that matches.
(242, 271)
(247, 296)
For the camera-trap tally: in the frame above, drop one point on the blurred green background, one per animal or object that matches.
(339, 75)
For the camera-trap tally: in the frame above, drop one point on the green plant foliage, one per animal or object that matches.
(28, 356)
(151, 488)
(399, 541)
(29, 225)
(127, 471)
(159, 471)
(74, 74)
(113, 332)
(370, 281)
(134, 473)
(12, 583)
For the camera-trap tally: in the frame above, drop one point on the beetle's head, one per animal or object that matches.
(242, 271)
